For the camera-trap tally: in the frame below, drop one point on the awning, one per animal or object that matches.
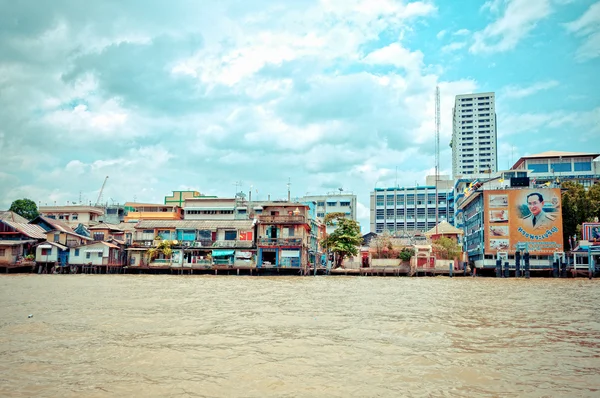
(45, 246)
(93, 250)
(243, 254)
(222, 253)
(290, 253)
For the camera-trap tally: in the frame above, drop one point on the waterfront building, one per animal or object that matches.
(555, 167)
(195, 242)
(113, 214)
(150, 211)
(498, 223)
(73, 214)
(332, 202)
(474, 134)
(97, 254)
(410, 210)
(17, 240)
(284, 236)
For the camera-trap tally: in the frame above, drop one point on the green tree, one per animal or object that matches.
(346, 238)
(593, 196)
(447, 248)
(25, 208)
(164, 248)
(575, 208)
(406, 253)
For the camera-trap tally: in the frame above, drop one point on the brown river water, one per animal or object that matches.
(213, 336)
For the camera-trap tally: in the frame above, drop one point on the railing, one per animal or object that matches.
(280, 241)
(271, 219)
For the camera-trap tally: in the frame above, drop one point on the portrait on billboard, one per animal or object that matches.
(499, 244)
(498, 216)
(532, 219)
(498, 230)
(498, 200)
(539, 212)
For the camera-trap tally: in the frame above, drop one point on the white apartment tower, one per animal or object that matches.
(474, 134)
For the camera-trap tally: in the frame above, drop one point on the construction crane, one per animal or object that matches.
(101, 190)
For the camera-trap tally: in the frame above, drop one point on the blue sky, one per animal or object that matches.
(164, 96)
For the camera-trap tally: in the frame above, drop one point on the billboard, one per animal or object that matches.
(529, 218)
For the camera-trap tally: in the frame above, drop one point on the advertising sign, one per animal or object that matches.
(530, 218)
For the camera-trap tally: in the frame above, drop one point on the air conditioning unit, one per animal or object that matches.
(147, 244)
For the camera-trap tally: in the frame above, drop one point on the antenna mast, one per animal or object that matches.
(437, 153)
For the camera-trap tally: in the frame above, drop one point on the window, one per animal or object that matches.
(320, 203)
(99, 236)
(583, 166)
(88, 255)
(2, 252)
(100, 254)
(320, 214)
(291, 231)
(558, 167)
(230, 235)
(74, 217)
(331, 203)
(57, 237)
(76, 252)
(344, 204)
(241, 211)
(538, 168)
(46, 252)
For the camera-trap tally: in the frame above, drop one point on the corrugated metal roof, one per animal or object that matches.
(15, 242)
(127, 226)
(195, 224)
(59, 225)
(61, 247)
(105, 225)
(31, 230)
(12, 216)
(99, 243)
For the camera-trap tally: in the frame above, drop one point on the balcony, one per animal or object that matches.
(280, 242)
(270, 219)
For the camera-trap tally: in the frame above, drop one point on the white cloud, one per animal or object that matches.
(588, 27)
(454, 46)
(515, 23)
(462, 32)
(521, 92)
(440, 35)
(395, 55)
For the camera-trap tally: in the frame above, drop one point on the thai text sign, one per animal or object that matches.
(530, 218)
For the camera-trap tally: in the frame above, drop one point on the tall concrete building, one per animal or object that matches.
(409, 210)
(474, 134)
(332, 202)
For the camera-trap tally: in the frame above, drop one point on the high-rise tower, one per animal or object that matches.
(474, 134)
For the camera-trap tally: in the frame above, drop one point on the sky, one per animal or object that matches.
(249, 95)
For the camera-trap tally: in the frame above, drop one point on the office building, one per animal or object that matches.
(411, 210)
(474, 134)
(333, 202)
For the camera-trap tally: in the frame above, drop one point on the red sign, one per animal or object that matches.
(246, 235)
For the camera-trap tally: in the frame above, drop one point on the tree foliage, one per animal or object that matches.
(346, 238)
(447, 248)
(406, 253)
(578, 206)
(25, 208)
(164, 248)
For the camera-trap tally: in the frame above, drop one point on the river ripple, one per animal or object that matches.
(207, 336)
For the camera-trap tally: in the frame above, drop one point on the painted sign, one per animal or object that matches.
(246, 235)
(530, 218)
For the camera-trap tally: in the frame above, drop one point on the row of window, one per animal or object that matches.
(213, 211)
(342, 204)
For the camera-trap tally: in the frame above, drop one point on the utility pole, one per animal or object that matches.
(288, 189)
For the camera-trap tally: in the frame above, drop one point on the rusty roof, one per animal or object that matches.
(57, 224)
(31, 230)
(195, 224)
(12, 216)
(16, 242)
(105, 225)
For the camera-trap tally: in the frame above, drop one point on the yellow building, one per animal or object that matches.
(149, 211)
